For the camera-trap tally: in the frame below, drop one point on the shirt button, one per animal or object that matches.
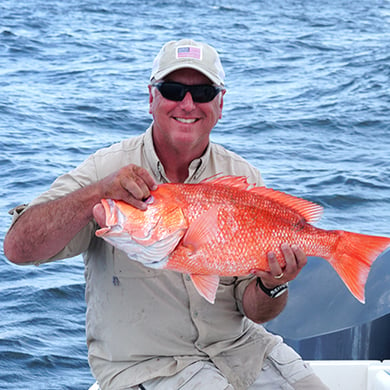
(188, 278)
(195, 314)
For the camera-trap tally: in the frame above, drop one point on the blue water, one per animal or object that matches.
(307, 103)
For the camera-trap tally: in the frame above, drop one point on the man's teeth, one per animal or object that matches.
(184, 120)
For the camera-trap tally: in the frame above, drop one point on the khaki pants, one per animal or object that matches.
(283, 370)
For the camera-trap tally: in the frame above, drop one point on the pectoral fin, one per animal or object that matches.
(202, 230)
(206, 285)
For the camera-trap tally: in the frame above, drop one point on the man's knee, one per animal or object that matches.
(285, 369)
(201, 375)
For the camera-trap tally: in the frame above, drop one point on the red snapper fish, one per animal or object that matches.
(225, 227)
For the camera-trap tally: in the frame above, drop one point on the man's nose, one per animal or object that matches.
(187, 103)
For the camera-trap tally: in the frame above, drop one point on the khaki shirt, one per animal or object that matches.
(142, 322)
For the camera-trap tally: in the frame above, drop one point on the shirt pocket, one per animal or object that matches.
(125, 267)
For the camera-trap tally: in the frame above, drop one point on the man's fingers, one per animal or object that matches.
(300, 256)
(137, 181)
(135, 187)
(274, 266)
(131, 184)
(147, 179)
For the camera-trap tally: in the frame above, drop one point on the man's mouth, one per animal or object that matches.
(186, 120)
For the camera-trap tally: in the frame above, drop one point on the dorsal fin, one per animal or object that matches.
(309, 211)
(239, 182)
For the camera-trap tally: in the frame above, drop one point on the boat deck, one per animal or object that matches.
(347, 374)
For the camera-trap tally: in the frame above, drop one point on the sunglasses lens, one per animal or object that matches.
(171, 91)
(203, 93)
(176, 91)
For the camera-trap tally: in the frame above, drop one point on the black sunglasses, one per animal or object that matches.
(201, 93)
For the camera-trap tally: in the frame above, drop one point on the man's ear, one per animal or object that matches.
(221, 102)
(151, 97)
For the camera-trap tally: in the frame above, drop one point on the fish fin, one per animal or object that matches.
(353, 257)
(310, 211)
(202, 230)
(206, 285)
(239, 182)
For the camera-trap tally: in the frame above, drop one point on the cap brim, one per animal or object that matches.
(165, 72)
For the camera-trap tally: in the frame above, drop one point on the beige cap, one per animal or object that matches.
(187, 53)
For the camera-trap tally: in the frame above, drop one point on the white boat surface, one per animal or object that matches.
(347, 374)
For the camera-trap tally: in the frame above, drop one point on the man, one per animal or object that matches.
(149, 328)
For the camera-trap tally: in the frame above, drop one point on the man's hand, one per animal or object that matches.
(258, 306)
(132, 184)
(295, 260)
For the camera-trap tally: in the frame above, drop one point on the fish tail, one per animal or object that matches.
(353, 257)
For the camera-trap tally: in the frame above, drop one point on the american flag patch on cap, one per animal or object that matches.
(189, 52)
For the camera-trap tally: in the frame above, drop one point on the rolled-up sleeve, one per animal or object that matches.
(241, 285)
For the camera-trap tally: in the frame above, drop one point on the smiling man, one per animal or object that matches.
(181, 129)
(147, 328)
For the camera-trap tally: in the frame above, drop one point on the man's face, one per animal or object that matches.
(184, 123)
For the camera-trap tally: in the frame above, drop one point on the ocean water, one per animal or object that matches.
(307, 103)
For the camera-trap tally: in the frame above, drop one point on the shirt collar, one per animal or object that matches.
(195, 170)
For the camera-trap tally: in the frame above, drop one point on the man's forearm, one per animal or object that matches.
(45, 229)
(259, 307)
